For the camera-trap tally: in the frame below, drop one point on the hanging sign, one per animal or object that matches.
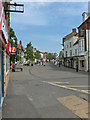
(13, 50)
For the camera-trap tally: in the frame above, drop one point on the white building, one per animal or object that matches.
(71, 49)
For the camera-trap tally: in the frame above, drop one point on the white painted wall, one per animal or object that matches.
(72, 48)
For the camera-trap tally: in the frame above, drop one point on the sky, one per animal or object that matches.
(44, 24)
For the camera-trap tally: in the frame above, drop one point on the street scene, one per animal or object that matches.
(44, 59)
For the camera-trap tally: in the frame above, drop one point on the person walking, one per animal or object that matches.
(13, 67)
(44, 64)
(59, 63)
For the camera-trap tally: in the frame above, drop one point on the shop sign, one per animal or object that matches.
(3, 26)
(81, 58)
(8, 48)
(13, 50)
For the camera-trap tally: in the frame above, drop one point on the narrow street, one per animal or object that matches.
(40, 92)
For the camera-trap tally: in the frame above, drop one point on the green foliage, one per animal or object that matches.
(29, 53)
(12, 58)
(37, 55)
(50, 56)
(29, 45)
(13, 40)
(12, 37)
(18, 57)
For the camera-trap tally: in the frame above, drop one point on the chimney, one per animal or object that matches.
(73, 30)
(84, 16)
(20, 42)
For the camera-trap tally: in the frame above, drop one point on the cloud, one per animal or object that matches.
(32, 15)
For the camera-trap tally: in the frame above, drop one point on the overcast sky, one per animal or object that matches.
(46, 23)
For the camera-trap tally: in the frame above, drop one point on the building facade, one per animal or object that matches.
(4, 57)
(84, 45)
(70, 49)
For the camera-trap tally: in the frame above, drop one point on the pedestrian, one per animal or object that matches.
(13, 67)
(44, 64)
(59, 63)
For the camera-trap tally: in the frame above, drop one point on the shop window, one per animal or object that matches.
(0, 62)
(7, 61)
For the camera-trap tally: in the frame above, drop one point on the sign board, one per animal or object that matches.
(13, 50)
(8, 48)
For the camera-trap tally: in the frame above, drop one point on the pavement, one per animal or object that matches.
(62, 68)
(0, 114)
(37, 91)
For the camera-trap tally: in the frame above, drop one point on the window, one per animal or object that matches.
(79, 45)
(75, 51)
(0, 62)
(70, 52)
(7, 61)
(70, 44)
(66, 53)
(82, 45)
(81, 33)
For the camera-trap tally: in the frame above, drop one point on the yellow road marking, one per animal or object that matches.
(77, 105)
(73, 89)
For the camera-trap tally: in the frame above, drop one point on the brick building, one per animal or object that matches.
(84, 45)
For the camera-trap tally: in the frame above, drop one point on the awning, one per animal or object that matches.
(71, 58)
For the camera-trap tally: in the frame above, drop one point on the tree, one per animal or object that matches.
(13, 40)
(29, 52)
(12, 37)
(37, 55)
(50, 56)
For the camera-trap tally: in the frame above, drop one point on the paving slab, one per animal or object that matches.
(76, 105)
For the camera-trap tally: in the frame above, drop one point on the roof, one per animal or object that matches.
(76, 42)
(84, 22)
(69, 36)
(19, 46)
(23, 48)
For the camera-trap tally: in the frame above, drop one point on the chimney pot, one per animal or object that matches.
(74, 30)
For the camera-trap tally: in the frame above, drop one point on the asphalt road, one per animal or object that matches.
(34, 92)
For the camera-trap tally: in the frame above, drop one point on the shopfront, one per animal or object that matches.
(82, 63)
(3, 42)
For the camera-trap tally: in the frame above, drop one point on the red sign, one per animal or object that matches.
(13, 50)
(8, 48)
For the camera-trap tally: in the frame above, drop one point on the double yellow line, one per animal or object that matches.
(73, 89)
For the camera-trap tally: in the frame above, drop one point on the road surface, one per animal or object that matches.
(46, 92)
